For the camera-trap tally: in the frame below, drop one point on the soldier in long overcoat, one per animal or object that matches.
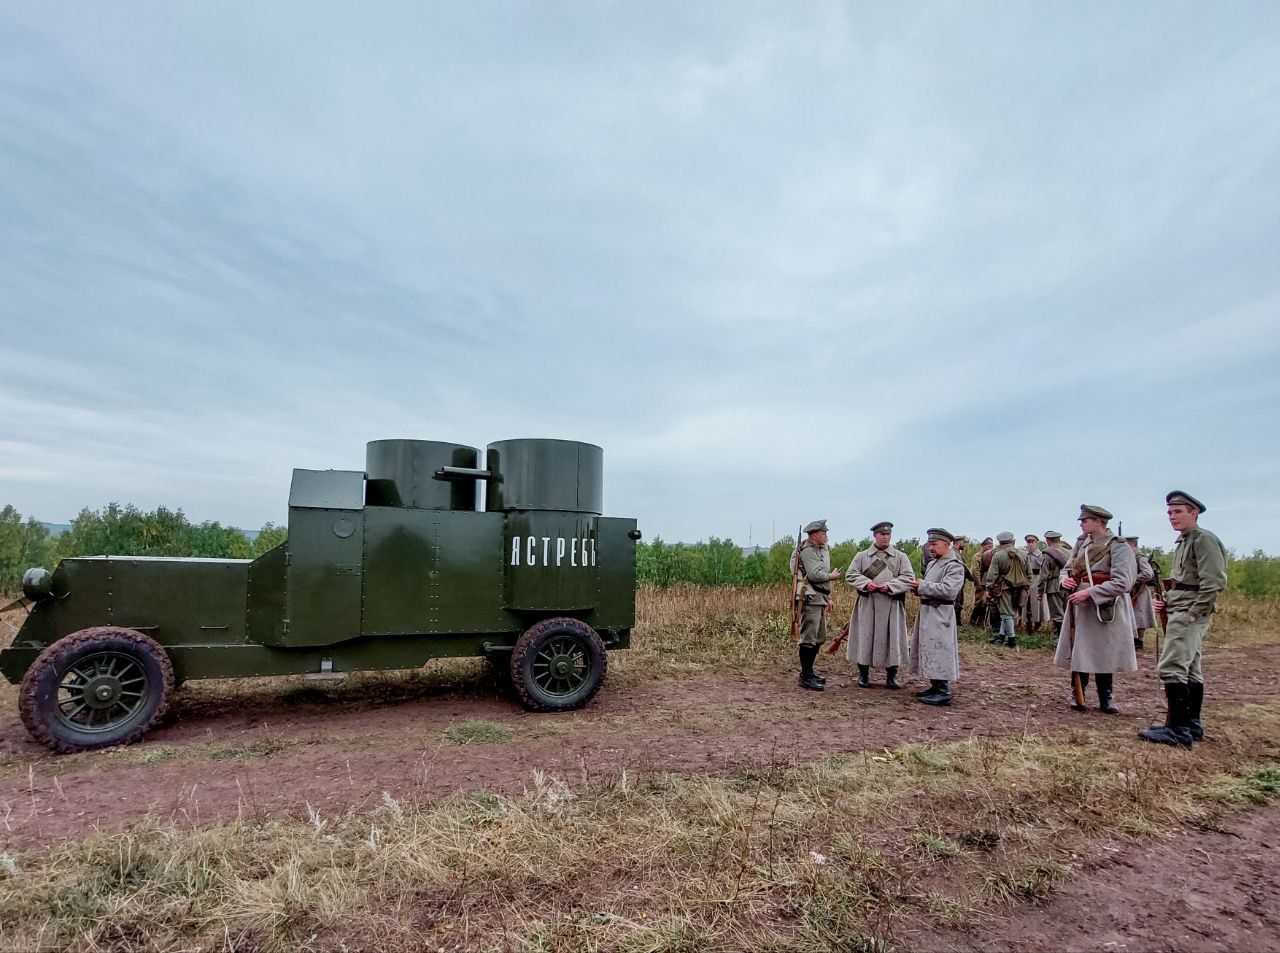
(1097, 634)
(1056, 554)
(878, 627)
(934, 652)
(1144, 617)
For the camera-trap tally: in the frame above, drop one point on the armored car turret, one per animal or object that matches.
(384, 568)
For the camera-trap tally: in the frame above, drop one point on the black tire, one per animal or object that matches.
(558, 665)
(95, 688)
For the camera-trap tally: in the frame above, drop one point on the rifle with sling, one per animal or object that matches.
(1077, 686)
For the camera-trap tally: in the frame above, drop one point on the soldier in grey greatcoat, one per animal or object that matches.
(878, 627)
(1097, 635)
(934, 652)
(1144, 617)
(1055, 556)
(816, 576)
(1198, 576)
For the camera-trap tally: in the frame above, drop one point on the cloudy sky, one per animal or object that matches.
(967, 264)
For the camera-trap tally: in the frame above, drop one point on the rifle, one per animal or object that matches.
(838, 641)
(1077, 686)
(795, 589)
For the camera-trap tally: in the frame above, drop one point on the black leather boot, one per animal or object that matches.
(1175, 731)
(939, 694)
(891, 677)
(1084, 684)
(996, 639)
(1105, 705)
(864, 676)
(807, 679)
(1195, 698)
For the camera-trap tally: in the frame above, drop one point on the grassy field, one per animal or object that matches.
(840, 853)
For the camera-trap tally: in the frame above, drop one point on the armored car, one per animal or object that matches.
(384, 568)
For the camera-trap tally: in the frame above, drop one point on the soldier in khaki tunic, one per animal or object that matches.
(816, 575)
(1097, 635)
(1033, 608)
(1056, 554)
(1198, 575)
(1007, 580)
(958, 547)
(984, 608)
(1144, 616)
(934, 653)
(878, 627)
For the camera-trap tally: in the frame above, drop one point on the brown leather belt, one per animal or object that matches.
(1185, 587)
(937, 602)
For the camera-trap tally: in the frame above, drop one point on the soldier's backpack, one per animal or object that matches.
(1017, 577)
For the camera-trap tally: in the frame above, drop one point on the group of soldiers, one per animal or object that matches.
(1100, 595)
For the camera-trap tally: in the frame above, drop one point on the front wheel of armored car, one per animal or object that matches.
(558, 665)
(96, 688)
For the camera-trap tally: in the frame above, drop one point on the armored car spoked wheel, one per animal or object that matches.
(96, 688)
(558, 665)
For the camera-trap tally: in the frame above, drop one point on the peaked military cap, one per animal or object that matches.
(1031, 536)
(987, 540)
(1094, 512)
(958, 537)
(1131, 539)
(1052, 534)
(817, 526)
(1005, 537)
(884, 526)
(1182, 496)
(942, 534)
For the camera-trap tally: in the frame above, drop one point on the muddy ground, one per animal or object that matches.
(274, 748)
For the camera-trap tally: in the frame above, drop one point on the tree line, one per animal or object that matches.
(720, 562)
(117, 530)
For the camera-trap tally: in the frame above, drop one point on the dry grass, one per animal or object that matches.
(777, 857)
(831, 855)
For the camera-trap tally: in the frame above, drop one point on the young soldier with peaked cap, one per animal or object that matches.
(934, 652)
(878, 627)
(1055, 555)
(1144, 616)
(1007, 579)
(1033, 609)
(958, 547)
(816, 575)
(1198, 574)
(1099, 576)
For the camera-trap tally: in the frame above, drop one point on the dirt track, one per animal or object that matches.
(1194, 893)
(268, 752)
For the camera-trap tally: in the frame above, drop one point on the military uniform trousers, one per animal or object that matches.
(1057, 607)
(813, 623)
(1011, 601)
(1183, 644)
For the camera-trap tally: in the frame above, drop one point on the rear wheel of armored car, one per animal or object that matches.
(95, 688)
(558, 665)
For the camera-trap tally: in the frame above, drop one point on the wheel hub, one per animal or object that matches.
(102, 691)
(562, 665)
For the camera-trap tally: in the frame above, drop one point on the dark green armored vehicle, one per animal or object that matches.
(383, 569)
